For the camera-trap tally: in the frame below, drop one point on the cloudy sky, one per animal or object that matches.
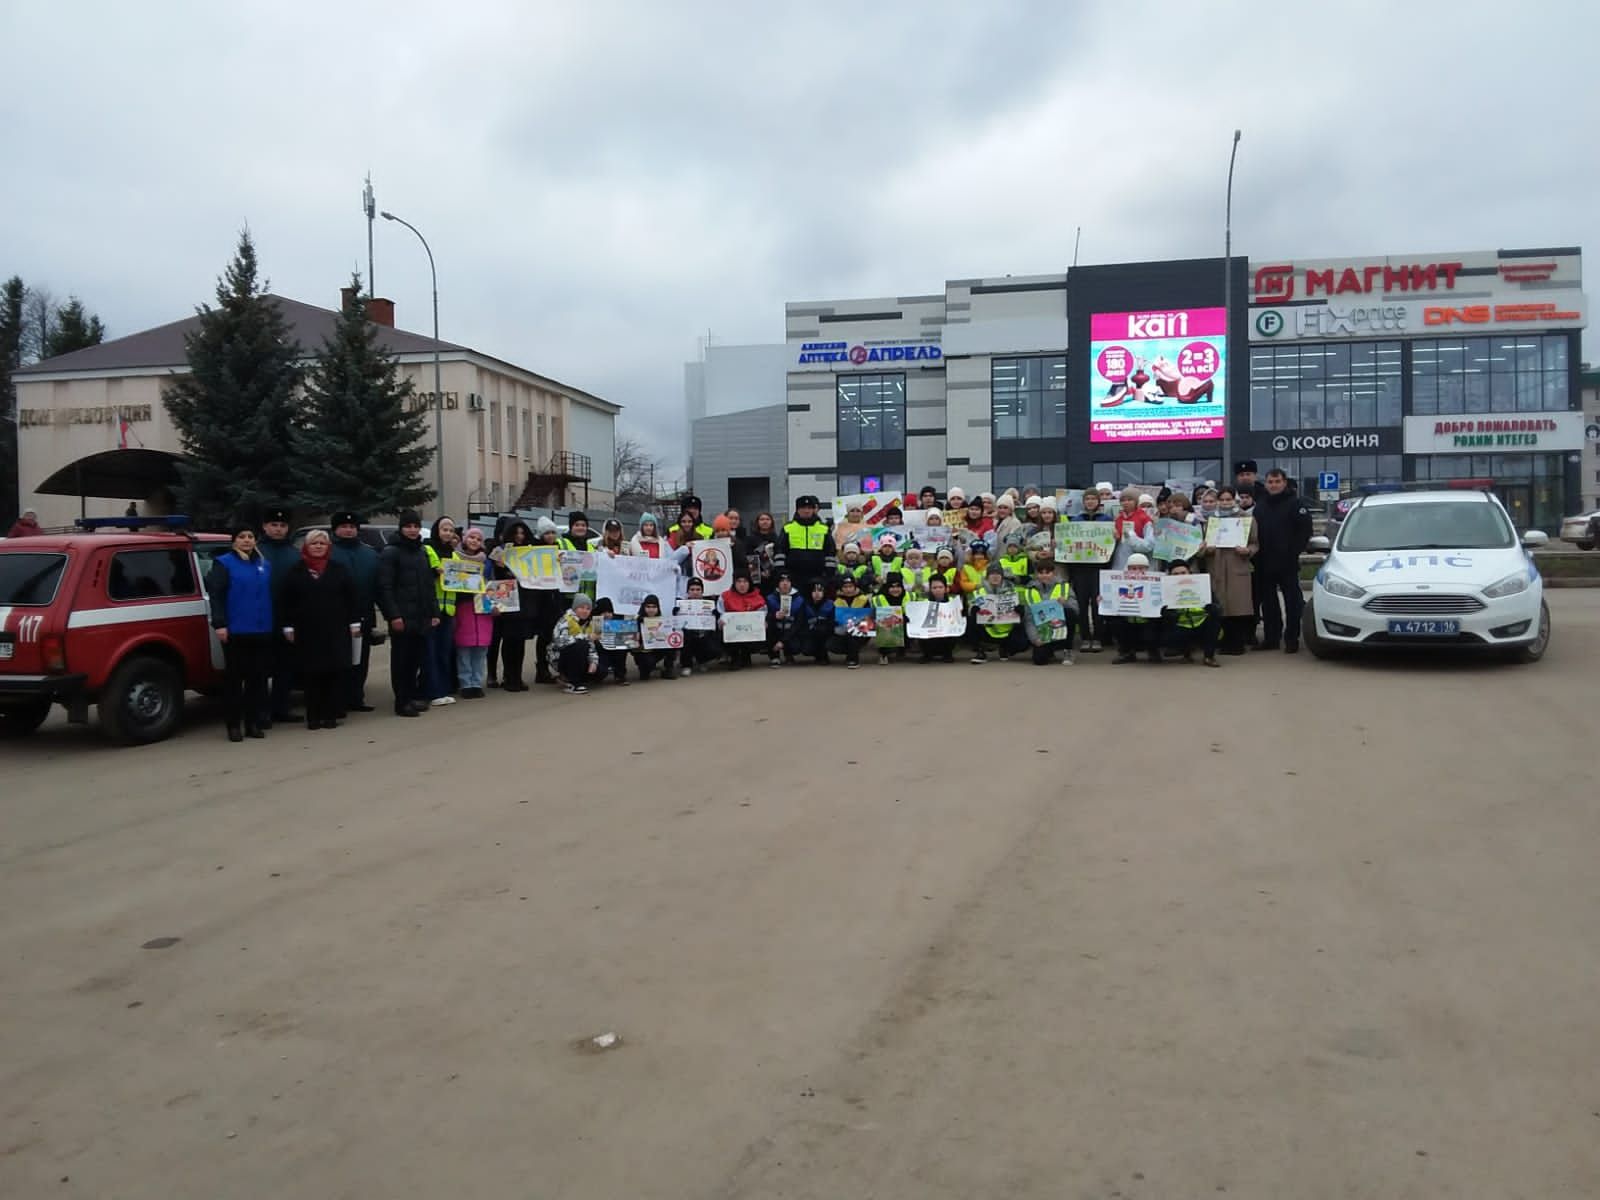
(603, 182)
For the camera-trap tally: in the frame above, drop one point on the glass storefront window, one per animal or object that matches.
(1506, 372)
(871, 412)
(1333, 385)
(1028, 397)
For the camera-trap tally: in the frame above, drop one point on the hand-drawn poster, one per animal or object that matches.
(889, 628)
(1228, 533)
(1185, 591)
(661, 633)
(712, 561)
(744, 627)
(619, 633)
(930, 619)
(997, 608)
(461, 575)
(1085, 541)
(498, 596)
(1130, 594)
(852, 622)
(699, 616)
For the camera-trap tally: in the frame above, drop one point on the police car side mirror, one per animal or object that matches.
(1535, 537)
(1319, 545)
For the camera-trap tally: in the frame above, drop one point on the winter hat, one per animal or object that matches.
(955, 494)
(889, 540)
(1137, 560)
(1048, 502)
(574, 517)
(1005, 501)
(851, 548)
(721, 524)
(648, 519)
(987, 497)
(1103, 487)
(544, 525)
(995, 568)
(946, 552)
(1146, 500)
(613, 523)
(581, 600)
(979, 546)
(411, 517)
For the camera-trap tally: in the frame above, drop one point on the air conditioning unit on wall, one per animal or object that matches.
(474, 402)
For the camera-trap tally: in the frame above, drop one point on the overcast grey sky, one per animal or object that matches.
(604, 182)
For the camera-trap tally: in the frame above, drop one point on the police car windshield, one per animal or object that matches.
(1427, 525)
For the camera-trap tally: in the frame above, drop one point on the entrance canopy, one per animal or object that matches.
(132, 474)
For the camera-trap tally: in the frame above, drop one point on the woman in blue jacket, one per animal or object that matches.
(240, 583)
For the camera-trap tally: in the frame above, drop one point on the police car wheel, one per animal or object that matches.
(19, 720)
(142, 701)
(1534, 650)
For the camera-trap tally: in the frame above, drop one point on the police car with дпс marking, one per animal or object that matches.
(1431, 568)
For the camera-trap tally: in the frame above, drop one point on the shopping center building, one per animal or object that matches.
(93, 432)
(1411, 367)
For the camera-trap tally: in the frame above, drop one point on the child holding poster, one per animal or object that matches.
(646, 660)
(613, 662)
(741, 597)
(1084, 579)
(1050, 615)
(889, 608)
(699, 645)
(787, 622)
(939, 649)
(1191, 627)
(851, 610)
(997, 597)
(1137, 633)
(819, 614)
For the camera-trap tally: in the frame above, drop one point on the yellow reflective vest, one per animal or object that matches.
(447, 603)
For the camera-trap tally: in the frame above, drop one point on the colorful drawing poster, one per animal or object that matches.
(699, 616)
(1228, 533)
(1177, 539)
(900, 533)
(852, 622)
(889, 628)
(627, 579)
(927, 619)
(537, 567)
(498, 596)
(871, 504)
(1157, 376)
(712, 561)
(997, 608)
(1086, 541)
(461, 575)
(741, 627)
(1069, 503)
(1130, 594)
(915, 518)
(1049, 621)
(577, 568)
(661, 633)
(1185, 591)
(931, 537)
(619, 633)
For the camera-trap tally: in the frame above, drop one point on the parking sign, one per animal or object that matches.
(1328, 485)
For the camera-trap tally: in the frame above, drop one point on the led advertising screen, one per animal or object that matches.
(1157, 376)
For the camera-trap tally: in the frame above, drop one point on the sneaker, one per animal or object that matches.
(575, 689)
(686, 671)
(1211, 662)
(1067, 659)
(1093, 647)
(883, 660)
(851, 666)
(441, 702)
(980, 658)
(773, 663)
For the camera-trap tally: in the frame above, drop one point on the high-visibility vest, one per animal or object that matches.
(701, 532)
(1191, 618)
(1058, 591)
(806, 537)
(882, 570)
(916, 579)
(971, 578)
(447, 607)
(1016, 567)
(998, 632)
(882, 601)
(858, 573)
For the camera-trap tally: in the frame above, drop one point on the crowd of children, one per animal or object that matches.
(986, 585)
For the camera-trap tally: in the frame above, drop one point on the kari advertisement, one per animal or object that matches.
(1157, 376)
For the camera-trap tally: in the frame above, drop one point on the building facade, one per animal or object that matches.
(1591, 436)
(1386, 370)
(501, 423)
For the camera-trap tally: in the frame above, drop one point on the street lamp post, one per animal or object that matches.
(1227, 315)
(438, 389)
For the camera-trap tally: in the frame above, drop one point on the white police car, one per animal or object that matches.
(1431, 568)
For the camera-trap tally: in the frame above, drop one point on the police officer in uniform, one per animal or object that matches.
(805, 545)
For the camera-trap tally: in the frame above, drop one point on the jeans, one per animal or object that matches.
(439, 669)
(472, 664)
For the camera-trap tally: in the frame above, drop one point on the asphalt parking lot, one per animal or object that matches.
(1289, 928)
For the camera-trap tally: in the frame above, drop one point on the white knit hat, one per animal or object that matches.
(1138, 560)
(1048, 502)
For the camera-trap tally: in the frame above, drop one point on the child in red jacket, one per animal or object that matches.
(742, 597)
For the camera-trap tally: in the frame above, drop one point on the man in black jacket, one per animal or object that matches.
(410, 605)
(281, 555)
(1283, 525)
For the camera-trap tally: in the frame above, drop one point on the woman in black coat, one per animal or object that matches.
(320, 617)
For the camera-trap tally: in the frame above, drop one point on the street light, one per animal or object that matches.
(438, 389)
(1227, 315)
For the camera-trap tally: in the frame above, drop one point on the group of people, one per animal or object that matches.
(287, 613)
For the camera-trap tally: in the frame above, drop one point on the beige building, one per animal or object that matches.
(93, 433)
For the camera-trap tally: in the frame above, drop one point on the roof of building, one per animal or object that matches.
(163, 346)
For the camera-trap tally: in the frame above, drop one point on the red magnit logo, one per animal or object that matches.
(858, 354)
(1275, 282)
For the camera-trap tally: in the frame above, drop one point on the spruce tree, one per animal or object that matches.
(234, 411)
(75, 329)
(356, 445)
